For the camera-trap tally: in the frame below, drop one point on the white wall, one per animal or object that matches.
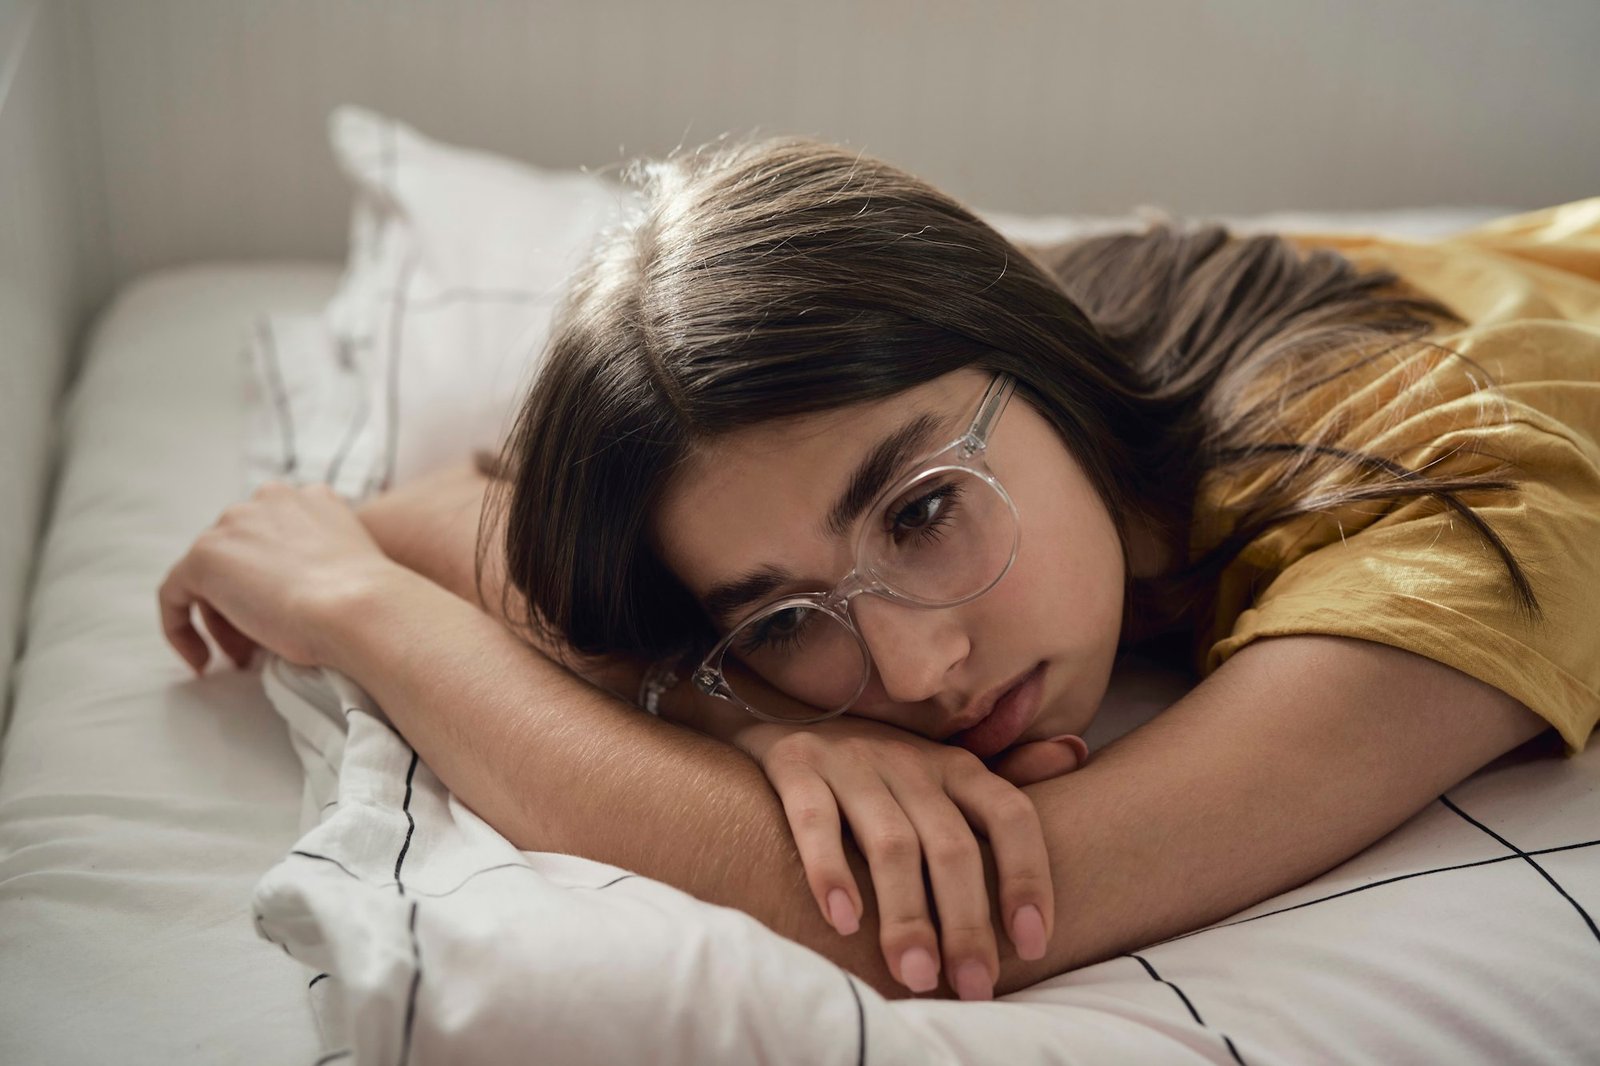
(211, 111)
(53, 265)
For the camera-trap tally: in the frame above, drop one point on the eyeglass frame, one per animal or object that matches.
(965, 453)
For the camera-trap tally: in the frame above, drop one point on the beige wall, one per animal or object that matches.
(52, 266)
(211, 111)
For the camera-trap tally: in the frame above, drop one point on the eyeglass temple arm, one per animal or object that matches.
(994, 401)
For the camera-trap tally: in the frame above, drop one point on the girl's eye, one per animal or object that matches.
(925, 515)
(777, 630)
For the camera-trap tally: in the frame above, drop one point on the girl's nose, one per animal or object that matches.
(913, 649)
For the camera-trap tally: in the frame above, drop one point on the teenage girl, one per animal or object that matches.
(864, 501)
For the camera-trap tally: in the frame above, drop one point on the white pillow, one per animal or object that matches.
(456, 261)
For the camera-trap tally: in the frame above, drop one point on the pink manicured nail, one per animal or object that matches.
(972, 981)
(1027, 932)
(1075, 743)
(841, 912)
(918, 971)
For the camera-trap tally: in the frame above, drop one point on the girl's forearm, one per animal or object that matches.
(555, 764)
(430, 525)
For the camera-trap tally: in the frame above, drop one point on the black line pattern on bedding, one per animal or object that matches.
(391, 183)
(261, 931)
(416, 949)
(399, 885)
(336, 862)
(315, 979)
(861, 1019)
(390, 146)
(464, 881)
(399, 863)
(357, 424)
(411, 996)
(1151, 970)
(1378, 884)
(405, 846)
(333, 1056)
(411, 824)
(345, 351)
(280, 395)
(397, 325)
(1529, 859)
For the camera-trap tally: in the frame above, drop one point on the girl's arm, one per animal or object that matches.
(430, 525)
(1297, 753)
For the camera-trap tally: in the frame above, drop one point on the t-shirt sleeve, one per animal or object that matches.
(1421, 579)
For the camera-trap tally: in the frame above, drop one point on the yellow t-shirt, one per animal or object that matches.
(1417, 577)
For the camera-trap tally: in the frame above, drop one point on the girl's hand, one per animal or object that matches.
(909, 800)
(265, 574)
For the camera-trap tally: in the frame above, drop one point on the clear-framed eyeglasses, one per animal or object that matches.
(941, 536)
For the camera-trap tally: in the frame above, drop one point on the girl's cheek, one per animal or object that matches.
(874, 696)
(875, 704)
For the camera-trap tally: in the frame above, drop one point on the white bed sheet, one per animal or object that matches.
(139, 805)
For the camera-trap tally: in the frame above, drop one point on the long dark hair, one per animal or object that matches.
(770, 278)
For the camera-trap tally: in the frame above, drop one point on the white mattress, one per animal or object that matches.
(140, 807)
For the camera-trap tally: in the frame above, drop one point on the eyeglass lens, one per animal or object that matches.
(947, 537)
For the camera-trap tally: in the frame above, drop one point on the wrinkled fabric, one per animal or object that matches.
(1414, 574)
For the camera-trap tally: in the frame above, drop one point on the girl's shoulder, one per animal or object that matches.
(1514, 384)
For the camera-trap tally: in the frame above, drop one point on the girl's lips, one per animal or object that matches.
(1013, 713)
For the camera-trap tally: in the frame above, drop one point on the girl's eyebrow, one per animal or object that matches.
(755, 585)
(871, 476)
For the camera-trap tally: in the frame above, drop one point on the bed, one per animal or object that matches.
(185, 878)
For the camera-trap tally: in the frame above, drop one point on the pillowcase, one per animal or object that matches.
(457, 259)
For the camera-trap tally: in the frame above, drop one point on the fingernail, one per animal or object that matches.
(972, 981)
(841, 912)
(918, 971)
(1074, 742)
(1027, 932)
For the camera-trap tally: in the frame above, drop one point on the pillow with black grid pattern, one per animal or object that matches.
(456, 261)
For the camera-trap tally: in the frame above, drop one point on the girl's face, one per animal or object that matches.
(756, 498)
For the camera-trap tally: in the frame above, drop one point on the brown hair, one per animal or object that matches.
(769, 278)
